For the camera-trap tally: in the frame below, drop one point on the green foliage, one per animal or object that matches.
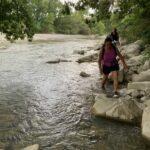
(44, 13)
(71, 24)
(133, 20)
(146, 53)
(101, 7)
(99, 28)
(16, 19)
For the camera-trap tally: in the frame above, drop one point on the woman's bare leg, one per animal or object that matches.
(104, 80)
(115, 78)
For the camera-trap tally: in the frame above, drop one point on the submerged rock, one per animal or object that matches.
(57, 61)
(32, 147)
(118, 109)
(84, 74)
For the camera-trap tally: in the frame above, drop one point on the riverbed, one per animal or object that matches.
(49, 104)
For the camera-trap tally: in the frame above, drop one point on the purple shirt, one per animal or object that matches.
(109, 58)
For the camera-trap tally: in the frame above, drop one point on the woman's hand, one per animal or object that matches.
(126, 67)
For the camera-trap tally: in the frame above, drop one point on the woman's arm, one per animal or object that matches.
(122, 59)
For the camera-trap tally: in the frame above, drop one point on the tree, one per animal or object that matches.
(44, 13)
(16, 19)
(101, 7)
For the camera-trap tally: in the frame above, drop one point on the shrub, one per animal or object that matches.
(99, 28)
(71, 24)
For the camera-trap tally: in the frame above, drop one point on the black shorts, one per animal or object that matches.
(107, 70)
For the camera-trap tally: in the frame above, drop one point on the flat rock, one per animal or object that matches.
(57, 61)
(139, 85)
(53, 61)
(89, 58)
(32, 147)
(118, 109)
(146, 124)
(102, 106)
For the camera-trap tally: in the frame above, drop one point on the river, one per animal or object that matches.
(50, 104)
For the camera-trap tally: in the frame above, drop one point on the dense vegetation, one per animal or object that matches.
(20, 18)
(132, 17)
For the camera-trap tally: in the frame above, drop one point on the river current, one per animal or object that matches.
(49, 104)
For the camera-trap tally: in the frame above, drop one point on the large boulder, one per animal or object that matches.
(118, 109)
(146, 65)
(132, 49)
(101, 106)
(32, 147)
(143, 76)
(136, 60)
(89, 58)
(139, 85)
(146, 123)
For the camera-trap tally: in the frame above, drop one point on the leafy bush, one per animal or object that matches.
(99, 28)
(146, 53)
(71, 24)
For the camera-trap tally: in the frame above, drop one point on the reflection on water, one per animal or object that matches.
(50, 104)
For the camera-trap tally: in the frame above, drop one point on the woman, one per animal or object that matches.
(109, 64)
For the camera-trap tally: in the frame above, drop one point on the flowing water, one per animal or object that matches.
(49, 104)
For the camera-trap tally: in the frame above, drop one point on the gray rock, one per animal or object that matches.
(136, 60)
(143, 76)
(146, 65)
(136, 94)
(84, 74)
(55, 61)
(81, 52)
(89, 58)
(65, 60)
(147, 102)
(139, 85)
(144, 98)
(122, 110)
(146, 124)
(98, 47)
(32, 147)
(132, 49)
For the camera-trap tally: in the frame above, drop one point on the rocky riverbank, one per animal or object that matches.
(133, 106)
(33, 103)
